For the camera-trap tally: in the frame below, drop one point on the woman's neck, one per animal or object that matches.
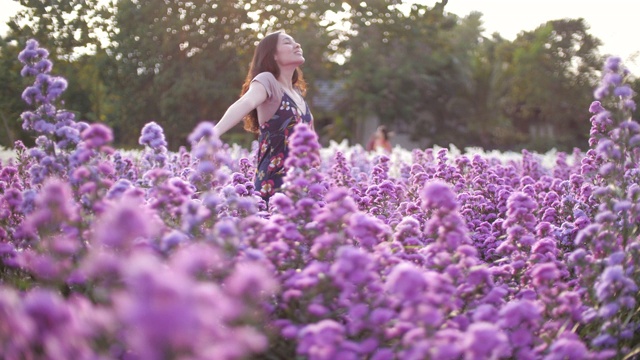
(286, 78)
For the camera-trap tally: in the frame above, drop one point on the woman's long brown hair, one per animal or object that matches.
(264, 60)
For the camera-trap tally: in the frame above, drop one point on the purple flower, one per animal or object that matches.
(438, 196)
(31, 95)
(601, 92)
(485, 313)
(408, 232)
(203, 130)
(545, 246)
(7, 173)
(323, 341)
(629, 104)
(520, 209)
(383, 354)
(68, 136)
(198, 259)
(519, 313)
(479, 276)
(124, 222)
(447, 344)
(173, 239)
(282, 204)
(367, 230)
(485, 340)
(608, 310)
(96, 136)
(119, 188)
(46, 309)
(56, 88)
(317, 310)
(496, 295)
(152, 136)
(407, 282)
(42, 266)
(616, 258)
(28, 70)
(251, 281)
(209, 156)
(165, 311)
(43, 66)
(43, 127)
(14, 198)
(623, 91)
(352, 266)
(567, 347)
(54, 207)
(303, 148)
(18, 328)
(31, 52)
(338, 208)
(614, 283)
(544, 274)
(612, 78)
(340, 172)
(380, 316)
(612, 64)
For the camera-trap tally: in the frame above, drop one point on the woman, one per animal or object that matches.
(271, 103)
(380, 140)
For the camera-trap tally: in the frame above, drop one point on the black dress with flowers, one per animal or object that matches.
(274, 145)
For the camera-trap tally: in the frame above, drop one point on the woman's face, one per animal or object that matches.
(288, 51)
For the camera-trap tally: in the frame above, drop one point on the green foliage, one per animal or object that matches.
(635, 85)
(68, 29)
(419, 69)
(487, 124)
(11, 105)
(406, 69)
(551, 73)
(61, 26)
(178, 63)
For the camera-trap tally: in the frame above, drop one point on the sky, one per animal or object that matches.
(615, 22)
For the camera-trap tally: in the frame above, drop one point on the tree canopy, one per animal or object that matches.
(418, 68)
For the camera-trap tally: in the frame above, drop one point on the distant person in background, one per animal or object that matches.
(380, 140)
(272, 103)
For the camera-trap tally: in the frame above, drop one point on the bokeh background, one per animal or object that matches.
(498, 75)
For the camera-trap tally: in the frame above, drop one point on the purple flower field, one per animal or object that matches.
(106, 254)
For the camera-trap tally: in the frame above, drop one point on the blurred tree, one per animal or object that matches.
(427, 72)
(178, 63)
(62, 27)
(486, 126)
(11, 104)
(406, 69)
(634, 82)
(551, 74)
(72, 32)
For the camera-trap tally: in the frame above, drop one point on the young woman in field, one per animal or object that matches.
(380, 140)
(271, 104)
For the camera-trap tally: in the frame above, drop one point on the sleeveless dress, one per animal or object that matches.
(273, 145)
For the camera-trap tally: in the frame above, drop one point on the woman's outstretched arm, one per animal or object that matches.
(256, 95)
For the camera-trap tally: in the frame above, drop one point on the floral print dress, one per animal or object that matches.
(274, 145)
